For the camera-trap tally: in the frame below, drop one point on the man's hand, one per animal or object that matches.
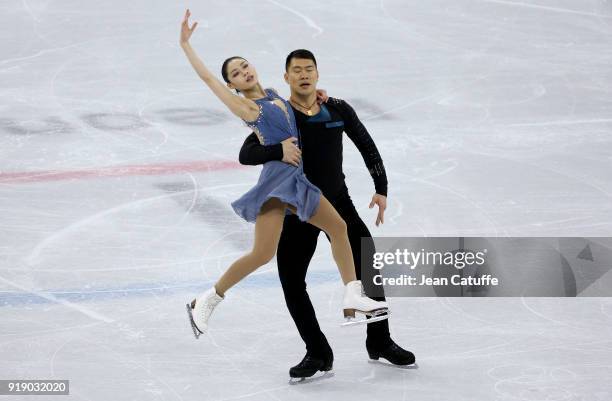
(291, 153)
(381, 201)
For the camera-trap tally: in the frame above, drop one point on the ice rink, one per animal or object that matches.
(118, 166)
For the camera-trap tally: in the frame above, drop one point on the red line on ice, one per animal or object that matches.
(120, 171)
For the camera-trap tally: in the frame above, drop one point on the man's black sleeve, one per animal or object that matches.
(253, 153)
(365, 144)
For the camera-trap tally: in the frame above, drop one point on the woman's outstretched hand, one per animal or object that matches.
(322, 96)
(185, 30)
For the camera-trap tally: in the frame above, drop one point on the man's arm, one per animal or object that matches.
(357, 132)
(253, 153)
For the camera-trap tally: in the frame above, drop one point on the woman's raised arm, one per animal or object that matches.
(240, 106)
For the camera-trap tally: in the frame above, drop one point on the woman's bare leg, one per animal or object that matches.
(268, 227)
(327, 219)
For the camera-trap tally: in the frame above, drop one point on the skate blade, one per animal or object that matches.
(375, 316)
(316, 377)
(350, 313)
(384, 362)
(196, 331)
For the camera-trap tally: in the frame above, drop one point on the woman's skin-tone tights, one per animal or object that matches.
(268, 227)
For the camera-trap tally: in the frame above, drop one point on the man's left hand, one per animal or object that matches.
(381, 201)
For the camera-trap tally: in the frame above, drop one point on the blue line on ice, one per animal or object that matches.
(265, 280)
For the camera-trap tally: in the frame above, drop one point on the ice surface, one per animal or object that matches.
(117, 167)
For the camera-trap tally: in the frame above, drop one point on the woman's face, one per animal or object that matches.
(241, 75)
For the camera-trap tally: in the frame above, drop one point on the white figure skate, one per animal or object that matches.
(355, 301)
(200, 309)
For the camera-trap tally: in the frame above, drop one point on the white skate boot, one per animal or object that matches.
(356, 301)
(200, 309)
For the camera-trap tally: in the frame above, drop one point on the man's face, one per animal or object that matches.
(302, 76)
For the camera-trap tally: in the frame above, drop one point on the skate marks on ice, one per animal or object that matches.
(186, 190)
(217, 215)
(541, 383)
(35, 257)
(547, 8)
(307, 20)
(369, 110)
(96, 316)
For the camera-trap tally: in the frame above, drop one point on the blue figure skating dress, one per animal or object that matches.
(277, 179)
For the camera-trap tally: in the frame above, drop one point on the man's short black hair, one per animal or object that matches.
(300, 53)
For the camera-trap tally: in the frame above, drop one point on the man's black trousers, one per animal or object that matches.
(295, 249)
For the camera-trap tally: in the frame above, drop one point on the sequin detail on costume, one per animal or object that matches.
(277, 179)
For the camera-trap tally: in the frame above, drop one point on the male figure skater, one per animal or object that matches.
(321, 128)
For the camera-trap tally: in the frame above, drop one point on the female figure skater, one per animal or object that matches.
(281, 186)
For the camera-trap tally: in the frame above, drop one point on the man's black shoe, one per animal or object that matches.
(311, 365)
(393, 353)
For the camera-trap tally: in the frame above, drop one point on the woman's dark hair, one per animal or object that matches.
(300, 53)
(224, 67)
